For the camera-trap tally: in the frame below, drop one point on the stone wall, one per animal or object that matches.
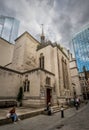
(53, 63)
(24, 57)
(36, 97)
(6, 52)
(10, 82)
(75, 78)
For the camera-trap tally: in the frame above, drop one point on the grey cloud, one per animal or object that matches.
(72, 14)
(5, 10)
(60, 17)
(63, 25)
(42, 3)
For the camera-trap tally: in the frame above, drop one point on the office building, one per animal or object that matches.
(81, 48)
(9, 28)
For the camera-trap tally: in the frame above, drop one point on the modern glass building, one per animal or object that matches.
(9, 28)
(81, 48)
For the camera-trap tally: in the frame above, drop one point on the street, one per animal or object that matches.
(73, 120)
(79, 121)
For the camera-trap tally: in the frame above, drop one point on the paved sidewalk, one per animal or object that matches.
(24, 113)
(77, 120)
(45, 122)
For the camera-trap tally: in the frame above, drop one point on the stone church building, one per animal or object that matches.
(42, 69)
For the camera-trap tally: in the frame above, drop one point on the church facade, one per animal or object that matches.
(41, 69)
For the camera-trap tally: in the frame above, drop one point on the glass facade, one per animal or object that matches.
(81, 49)
(9, 28)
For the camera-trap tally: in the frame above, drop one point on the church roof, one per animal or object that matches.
(6, 41)
(52, 45)
(29, 35)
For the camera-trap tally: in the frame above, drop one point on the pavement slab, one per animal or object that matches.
(73, 120)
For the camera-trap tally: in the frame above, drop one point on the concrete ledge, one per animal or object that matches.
(21, 116)
(29, 114)
(5, 121)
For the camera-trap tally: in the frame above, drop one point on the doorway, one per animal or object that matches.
(49, 91)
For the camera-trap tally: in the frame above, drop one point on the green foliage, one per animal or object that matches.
(20, 95)
(41, 46)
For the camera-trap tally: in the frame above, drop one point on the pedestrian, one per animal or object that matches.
(76, 105)
(62, 111)
(13, 114)
(49, 108)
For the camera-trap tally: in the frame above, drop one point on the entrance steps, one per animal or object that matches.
(55, 109)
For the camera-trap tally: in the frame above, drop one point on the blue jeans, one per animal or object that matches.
(14, 117)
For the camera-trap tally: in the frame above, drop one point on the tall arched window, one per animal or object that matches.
(48, 80)
(26, 85)
(41, 61)
(65, 73)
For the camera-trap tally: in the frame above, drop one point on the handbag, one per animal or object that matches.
(8, 115)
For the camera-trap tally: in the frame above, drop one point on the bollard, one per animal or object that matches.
(62, 112)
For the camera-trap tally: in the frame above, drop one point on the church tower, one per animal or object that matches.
(42, 36)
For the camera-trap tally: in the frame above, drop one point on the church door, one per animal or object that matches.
(48, 95)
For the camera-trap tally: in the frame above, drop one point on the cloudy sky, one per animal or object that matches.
(61, 18)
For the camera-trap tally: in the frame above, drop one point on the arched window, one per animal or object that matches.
(41, 61)
(65, 73)
(26, 85)
(48, 80)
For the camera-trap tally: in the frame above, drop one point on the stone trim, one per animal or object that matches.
(6, 41)
(73, 60)
(73, 68)
(29, 35)
(75, 76)
(31, 97)
(61, 97)
(8, 64)
(7, 97)
(7, 69)
(50, 44)
(29, 71)
(48, 86)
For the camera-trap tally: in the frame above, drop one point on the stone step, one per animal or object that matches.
(55, 109)
(4, 121)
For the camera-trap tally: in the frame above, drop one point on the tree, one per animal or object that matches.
(20, 96)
